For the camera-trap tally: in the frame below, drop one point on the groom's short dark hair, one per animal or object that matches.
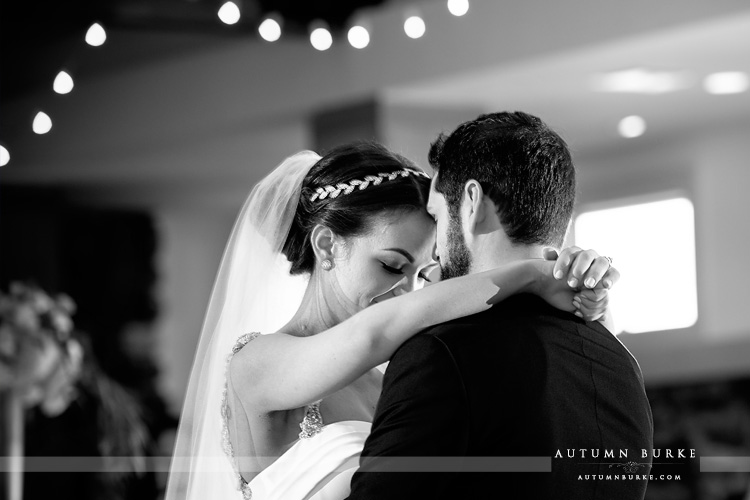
(522, 165)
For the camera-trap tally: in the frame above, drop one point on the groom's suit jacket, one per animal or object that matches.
(519, 380)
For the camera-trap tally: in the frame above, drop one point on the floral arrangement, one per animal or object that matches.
(40, 361)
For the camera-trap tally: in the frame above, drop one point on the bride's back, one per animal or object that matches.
(258, 439)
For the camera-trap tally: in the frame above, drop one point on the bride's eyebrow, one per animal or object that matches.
(403, 252)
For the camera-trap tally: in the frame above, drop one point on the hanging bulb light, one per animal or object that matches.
(42, 123)
(4, 156)
(63, 83)
(359, 37)
(229, 13)
(458, 7)
(414, 26)
(320, 37)
(96, 35)
(270, 28)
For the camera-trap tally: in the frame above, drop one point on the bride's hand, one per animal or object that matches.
(580, 284)
(582, 269)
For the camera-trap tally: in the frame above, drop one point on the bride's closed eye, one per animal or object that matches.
(394, 270)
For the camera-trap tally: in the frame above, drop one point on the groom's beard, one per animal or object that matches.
(458, 261)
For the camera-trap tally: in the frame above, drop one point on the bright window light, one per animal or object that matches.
(653, 247)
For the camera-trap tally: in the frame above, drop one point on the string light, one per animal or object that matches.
(4, 156)
(320, 37)
(63, 83)
(229, 13)
(359, 37)
(458, 7)
(96, 35)
(42, 123)
(270, 29)
(414, 27)
(631, 126)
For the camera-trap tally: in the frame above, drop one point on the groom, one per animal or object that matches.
(488, 393)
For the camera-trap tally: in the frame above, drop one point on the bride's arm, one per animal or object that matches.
(278, 372)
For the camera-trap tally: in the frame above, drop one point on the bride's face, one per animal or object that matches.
(394, 258)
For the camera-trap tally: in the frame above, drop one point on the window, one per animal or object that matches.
(653, 247)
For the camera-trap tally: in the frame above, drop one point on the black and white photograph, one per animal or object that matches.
(374, 249)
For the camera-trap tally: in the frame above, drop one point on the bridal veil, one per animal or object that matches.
(253, 292)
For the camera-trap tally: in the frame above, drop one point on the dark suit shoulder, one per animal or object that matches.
(423, 348)
(525, 320)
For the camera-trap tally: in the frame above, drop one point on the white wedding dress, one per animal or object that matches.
(315, 468)
(319, 466)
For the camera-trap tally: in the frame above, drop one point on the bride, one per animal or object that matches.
(323, 253)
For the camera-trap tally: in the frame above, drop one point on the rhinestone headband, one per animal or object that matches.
(344, 188)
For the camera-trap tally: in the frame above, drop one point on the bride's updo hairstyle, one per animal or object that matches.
(352, 210)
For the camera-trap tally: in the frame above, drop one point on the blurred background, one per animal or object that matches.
(132, 130)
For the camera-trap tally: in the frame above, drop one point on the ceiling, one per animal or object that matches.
(238, 96)
(560, 86)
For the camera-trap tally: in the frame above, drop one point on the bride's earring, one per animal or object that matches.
(327, 264)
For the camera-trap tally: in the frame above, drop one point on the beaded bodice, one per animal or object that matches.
(311, 424)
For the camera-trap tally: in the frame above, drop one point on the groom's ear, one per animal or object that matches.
(479, 208)
(322, 240)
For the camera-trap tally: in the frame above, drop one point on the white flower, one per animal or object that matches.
(8, 342)
(60, 322)
(41, 302)
(65, 303)
(25, 318)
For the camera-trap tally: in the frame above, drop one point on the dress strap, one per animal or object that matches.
(243, 341)
(226, 415)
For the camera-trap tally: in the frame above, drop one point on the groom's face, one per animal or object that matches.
(451, 249)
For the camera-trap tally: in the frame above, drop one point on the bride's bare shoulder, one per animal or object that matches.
(251, 362)
(253, 351)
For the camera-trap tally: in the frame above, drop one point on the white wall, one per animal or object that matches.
(410, 130)
(191, 242)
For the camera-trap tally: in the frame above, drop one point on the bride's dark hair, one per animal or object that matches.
(351, 214)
